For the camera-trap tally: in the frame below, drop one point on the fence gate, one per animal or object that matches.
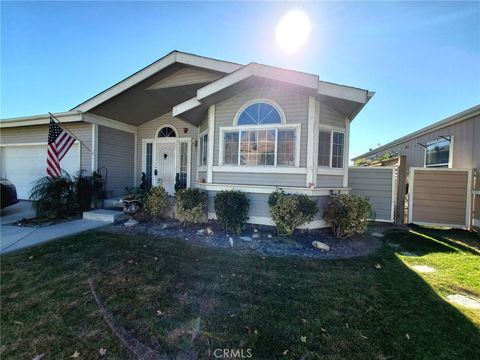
(378, 184)
(440, 197)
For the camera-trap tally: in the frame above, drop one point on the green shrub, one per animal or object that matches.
(231, 208)
(84, 191)
(348, 214)
(54, 197)
(289, 211)
(155, 203)
(190, 205)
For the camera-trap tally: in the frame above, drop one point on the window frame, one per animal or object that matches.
(275, 127)
(332, 130)
(450, 152)
(260, 100)
(201, 136)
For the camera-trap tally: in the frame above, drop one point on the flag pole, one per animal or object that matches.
(70, 132)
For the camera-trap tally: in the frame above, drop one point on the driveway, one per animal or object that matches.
(14, 237)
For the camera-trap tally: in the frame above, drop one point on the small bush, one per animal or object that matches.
(348, 214)
(190, 205)
(231, 208)
(155, 203)
(290, 211)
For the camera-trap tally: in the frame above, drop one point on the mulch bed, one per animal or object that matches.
(268, 243)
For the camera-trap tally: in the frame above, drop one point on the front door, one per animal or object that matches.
(165, 165)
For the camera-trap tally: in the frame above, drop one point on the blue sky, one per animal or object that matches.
(421, 58)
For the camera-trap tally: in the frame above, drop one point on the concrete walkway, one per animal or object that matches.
(13, 237)
(22, 209)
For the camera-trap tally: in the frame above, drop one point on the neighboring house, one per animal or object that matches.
(217, 124)
(453, 142)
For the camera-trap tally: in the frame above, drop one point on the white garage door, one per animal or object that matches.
(23, 165)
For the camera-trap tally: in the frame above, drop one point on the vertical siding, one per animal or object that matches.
(439, 197)
(466, 145)
(294, 105)
(376, 184)
(149, 131)
(39, 134)
(116, 152)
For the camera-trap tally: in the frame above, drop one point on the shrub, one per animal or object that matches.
(348, 214)
(84, 191)
(231, 208)
(54, 197)
(190, 205)
(289, 211)
(155, 202)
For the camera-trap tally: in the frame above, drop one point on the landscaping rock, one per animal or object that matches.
(164, 226)
(464, 301)
(200, 232)
(423, 268)
(320, 246)
(269, 236)
(208, 231)
(230, 240)
(245, 238)
(256, 236)
(255, 230)
(131, 223)
(377, 234)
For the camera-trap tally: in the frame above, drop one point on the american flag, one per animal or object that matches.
(59, 142)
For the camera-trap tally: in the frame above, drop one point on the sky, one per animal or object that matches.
(422, 59)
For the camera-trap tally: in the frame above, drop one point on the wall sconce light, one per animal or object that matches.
(185, 130)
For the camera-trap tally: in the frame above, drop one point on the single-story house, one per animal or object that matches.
(218, 124)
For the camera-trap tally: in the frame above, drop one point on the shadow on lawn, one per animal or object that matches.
(287, 308)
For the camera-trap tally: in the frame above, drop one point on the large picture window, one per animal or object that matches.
(331, 146)
(437, 153)
(203, 149)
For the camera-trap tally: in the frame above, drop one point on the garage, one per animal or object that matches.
(24, 164)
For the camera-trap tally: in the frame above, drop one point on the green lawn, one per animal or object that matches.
(161, 289)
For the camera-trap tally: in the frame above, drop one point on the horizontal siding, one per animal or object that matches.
(439, 197)
(116, 152)
(202, 175)
(149, 131)
(329, 181)
(294, 105)
(330, 117)
(39, 133)
(376, 185)
(466, 145)
(297, 180)
(186, 76)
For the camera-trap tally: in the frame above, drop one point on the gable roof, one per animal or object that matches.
(461, 116)
(169, 59)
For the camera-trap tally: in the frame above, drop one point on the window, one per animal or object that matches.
(437, 153)
(148, 163)
(331, 145)
(167, 131)
(259, 113)
(183, 164)
(203, 149)
(230, 152)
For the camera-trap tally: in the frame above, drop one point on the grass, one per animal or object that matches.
(280, 308)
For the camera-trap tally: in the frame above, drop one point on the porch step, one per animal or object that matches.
(113, 203)
(108, 216)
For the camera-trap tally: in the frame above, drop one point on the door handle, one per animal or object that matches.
(155, 172)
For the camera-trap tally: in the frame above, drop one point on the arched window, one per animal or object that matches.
(259, 113)
(167, 131)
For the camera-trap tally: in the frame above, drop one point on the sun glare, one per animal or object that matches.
(293, 31)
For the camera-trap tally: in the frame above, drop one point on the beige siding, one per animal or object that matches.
(297, 180)
(116, 152)
(294, 105)
(466, 145)
(329, 181)
(439, 197)
(39, 134)
(149, 130)
(330, 117)
(185, 76)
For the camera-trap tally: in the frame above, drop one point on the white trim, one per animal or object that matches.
(393, 203)
(450, 152)
(276, 106)
(64, 117)
(468, 213)
(476, 192)
(260, 169)
(113, 124)
(165, 126)
(201, 166)
(346, 149)
(265, 220)
(311, 177)
(261, 127)
(25, 144)
(211, 142)
(135, 160)
(265, 189)
(323, 170)
(94, 147)
(333, 129)
(173, 57)
(185, 106)
(343, 92)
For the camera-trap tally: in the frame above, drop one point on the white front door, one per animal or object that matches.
(165, 165)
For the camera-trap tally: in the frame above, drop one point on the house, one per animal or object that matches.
(452, 146)
(218, 125)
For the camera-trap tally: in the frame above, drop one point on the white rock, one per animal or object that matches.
(163, 226)
(231, 241)
(464, 301)
(320, 245)
(377, 234)
(131, 223)
(269, 236)
(246, 238)
(256, 236)
(208, 231)
(423, 268)
(255, 230)
(200, 232)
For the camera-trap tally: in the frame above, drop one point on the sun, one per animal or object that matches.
(293, 31)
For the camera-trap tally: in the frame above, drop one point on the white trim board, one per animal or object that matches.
(64, 117)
